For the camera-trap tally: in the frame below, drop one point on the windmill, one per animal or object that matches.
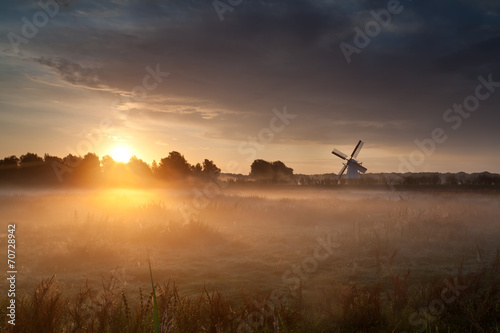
(352, 166)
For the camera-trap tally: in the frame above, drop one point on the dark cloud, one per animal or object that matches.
(473, 59)
(73, 73)
(227, 76)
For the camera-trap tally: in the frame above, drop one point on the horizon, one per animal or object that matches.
(118, 160)
(128, 78)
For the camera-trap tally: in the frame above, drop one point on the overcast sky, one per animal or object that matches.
(201, 77)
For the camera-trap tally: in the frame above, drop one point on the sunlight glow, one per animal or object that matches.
(121, 154)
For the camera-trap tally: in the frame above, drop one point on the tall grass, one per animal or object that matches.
(389, 261)
(156, 316)
(346, 308)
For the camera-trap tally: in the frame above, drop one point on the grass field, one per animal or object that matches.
(271, 259)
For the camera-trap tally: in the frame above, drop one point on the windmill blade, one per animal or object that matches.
(357, 149)
(342, 171)
(339, 154)
(357, 166)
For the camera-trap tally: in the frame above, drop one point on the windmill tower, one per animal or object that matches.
(353, 167)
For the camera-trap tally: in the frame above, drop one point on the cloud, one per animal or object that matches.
(73, 73)
(162, 143)
(226, 77)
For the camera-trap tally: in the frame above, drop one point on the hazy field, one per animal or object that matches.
(256, 259)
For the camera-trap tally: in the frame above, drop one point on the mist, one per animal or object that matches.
(317, 255)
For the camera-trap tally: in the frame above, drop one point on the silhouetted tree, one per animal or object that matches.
(261, 170)
(275, 172)
(91, 162)
(451, 179)
(210, 170)
(282, 173)
(154, 168)
(88, 172)
(9, 172)
(31, 170)
(486, 179)
(72, 161)
(63, 168)
(30, 159)
(49, 159)
(108, 164)
(10, 162)
(197, 170)
(174, 167)
(422, 179)
(111, 171)
(306, 180)
(47, 174)
(139, 167)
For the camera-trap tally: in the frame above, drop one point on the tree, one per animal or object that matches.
(9, 169)
(108, 169)
(262, 170)
(154, 168)
(275, 172)
(108, 164)
(210, 170)
(451, 179)
(197, 170)
(10, 162)
(51, 159)
(174, 166)
(486, 178)
(91, 162)
(72, 161)
(139, 167)
(88, 172)
(29, 159)
(282, 173)
(31, 169)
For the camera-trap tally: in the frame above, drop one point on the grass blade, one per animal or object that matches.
(156, 316)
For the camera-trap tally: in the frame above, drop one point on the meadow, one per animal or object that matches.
(254, 259)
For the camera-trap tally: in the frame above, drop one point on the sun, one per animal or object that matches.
(121, 154)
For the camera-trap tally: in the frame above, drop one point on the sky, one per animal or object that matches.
(238, 80)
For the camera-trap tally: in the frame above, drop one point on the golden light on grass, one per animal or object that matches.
(355, 260)
(121, 154)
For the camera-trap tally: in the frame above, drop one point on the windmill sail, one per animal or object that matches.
(357, 149)
(339, 154)
(357, 166)
(342, 170)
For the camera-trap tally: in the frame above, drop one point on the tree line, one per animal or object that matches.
(408, 179)
(31, 169)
